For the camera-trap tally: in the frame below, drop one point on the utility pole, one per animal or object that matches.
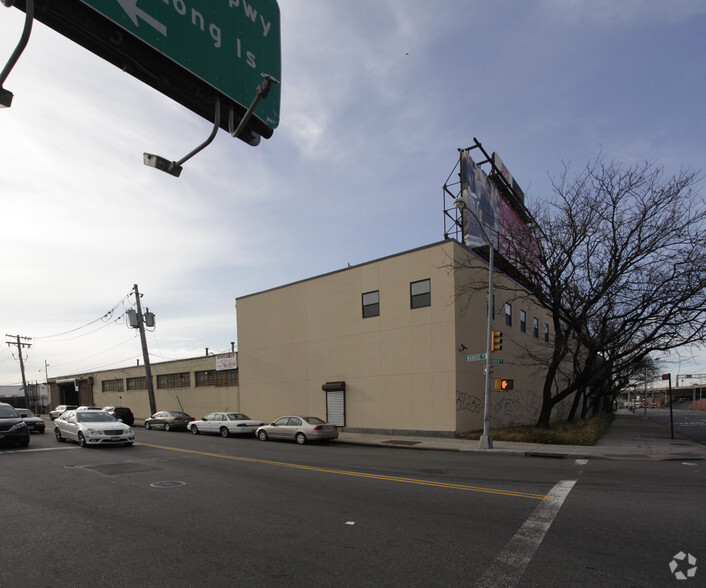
(20, 345)
(145, 353)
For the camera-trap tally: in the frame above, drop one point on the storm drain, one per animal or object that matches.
(401, 442)
(168, 484)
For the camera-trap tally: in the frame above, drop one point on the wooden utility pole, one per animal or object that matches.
(20, 345)
(145, 353)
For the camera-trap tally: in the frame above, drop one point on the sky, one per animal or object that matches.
(377, 97)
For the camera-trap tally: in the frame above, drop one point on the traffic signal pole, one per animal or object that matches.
(486, 441)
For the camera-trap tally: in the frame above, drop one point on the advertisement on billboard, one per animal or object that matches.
(483, 201)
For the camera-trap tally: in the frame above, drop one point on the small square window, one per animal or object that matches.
(371, 304)
(420, 293)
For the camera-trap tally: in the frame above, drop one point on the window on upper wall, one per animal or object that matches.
(535, 327)
(371, 304)
(112, 385)
(420, 293)
(523, 321)
(182, 380)
(138, 383)
(508, 314)
(546, 332)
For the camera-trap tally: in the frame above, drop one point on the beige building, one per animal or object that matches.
(384, 346)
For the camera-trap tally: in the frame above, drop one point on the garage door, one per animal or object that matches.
(336, 407)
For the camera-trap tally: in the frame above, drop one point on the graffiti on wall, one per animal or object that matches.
(522, 408)
(466, 402)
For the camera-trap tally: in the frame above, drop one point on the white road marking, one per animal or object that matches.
(581, 462)
(508, 567)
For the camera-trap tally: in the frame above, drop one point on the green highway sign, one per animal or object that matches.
(497, 361)
(228, 44)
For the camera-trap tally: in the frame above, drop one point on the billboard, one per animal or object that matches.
(498, 214)
(226, 361)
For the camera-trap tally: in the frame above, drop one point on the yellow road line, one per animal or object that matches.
(359, 474)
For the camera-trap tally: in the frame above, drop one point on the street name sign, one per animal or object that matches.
(482, 356)
(194, 51)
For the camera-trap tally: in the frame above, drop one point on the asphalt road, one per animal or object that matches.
(690, 423)
(201, 510)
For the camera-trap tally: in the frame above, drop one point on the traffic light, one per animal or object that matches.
(504, 384)
(497, 341)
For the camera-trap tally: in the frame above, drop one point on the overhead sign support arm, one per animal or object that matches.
(6, 95)
(174, 167)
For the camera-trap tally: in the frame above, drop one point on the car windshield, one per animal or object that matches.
(90, 416)
(313, 420)
(26, 412)
(179, 414)
(7, 412)
(238, 416)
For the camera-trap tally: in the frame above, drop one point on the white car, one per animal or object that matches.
(92, 427)
(225, 424)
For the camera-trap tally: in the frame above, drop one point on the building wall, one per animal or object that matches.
(398, 367)
(405, 370)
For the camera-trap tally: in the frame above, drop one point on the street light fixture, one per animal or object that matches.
(486, 441)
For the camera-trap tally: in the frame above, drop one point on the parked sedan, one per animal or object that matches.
(13, 430)
(225, 424)
(169, 420)
(61, 409)
(33, 422)
(298, 428)
(92, 427)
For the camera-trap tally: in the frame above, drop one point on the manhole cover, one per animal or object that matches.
(167, 484)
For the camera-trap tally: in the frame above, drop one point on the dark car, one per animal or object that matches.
(169, 420)
(13, 429)
(33, 422)
(122, 413)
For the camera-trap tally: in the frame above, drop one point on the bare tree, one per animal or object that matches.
(618, 256)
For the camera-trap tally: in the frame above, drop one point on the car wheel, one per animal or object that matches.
(194, 429)
(262, 435)
(57, 434)
(301, 438)
(24, 443)
(167, 427)
(81, 440)
(147, 426)
(224, 432)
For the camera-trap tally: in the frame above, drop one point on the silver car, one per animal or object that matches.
(225, 424)
(92, 427)
(298, 428)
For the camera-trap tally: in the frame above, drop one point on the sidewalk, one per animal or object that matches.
(628, 437)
